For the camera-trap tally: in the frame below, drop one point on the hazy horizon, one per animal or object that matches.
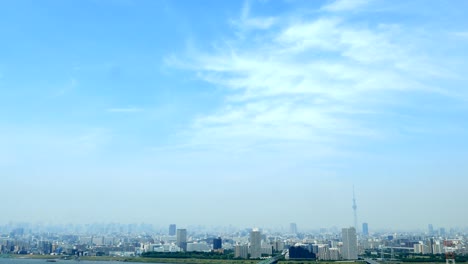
(138, 227)
(250, 113)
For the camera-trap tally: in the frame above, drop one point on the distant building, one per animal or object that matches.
(323, 252)
(365, 229)
(430, 229)
(200, 247)
(278, 245)
(182, 239)
(97, 240)
(438, 248)
(255, 244)
(217, 243)
(86, 240)
(267, 250)
(422, 248)
(334, 254)
(17, 232)
(172, 229)
(298, 252)
(241, 251)
(442, 231)
(45, 247)
(293, 228)
(349, 249)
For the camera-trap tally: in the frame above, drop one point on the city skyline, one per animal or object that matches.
(253, 243)
(234, 112)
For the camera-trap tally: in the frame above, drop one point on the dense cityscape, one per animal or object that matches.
(137, 240)
(234, 132)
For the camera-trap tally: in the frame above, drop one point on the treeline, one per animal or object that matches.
(228, 254)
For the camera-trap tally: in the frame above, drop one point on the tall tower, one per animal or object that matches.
(355, 211)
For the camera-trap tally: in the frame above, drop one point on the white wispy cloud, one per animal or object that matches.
(345, 5)
(461, 34)
(246, 22)
(125, 110)
(316, 80)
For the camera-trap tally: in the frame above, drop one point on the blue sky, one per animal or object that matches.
(114, 107)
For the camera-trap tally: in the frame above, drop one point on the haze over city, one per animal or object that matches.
(245, 113)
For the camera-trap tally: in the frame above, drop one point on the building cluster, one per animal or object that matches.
(344, 244)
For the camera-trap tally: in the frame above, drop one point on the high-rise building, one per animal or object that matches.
(217, 243)
(430, 229)
(349, 249)
(241, 251)
(255, 244)
(182, 239)
(172, 229)
(442, 231)
(293, 228)
(299, 252)
(365, 229)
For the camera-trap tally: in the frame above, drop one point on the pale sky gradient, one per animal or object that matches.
(252, 113)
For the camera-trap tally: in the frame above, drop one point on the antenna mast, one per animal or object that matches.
(355, 211)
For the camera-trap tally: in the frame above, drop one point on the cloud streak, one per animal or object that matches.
(125, 110)
(345, 5)
(314, 82)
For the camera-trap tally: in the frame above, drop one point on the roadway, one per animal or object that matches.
(370, 261)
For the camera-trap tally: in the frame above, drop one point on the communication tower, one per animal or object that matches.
(355, 211)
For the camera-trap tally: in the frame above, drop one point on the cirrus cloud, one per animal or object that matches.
(317, 80)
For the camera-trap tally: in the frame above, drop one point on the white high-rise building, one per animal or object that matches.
(334, 254)
(323, 252)
(349, 250)
(241, 251)
(255, 244)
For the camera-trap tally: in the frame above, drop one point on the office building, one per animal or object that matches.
(430, 229)
(365, 229)
(293, 228)
(442, 231)
(182, 239)
(255, 244)
(198, 247)
(300, 252)
(217, 243)
(172, 229)
(349, 249)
